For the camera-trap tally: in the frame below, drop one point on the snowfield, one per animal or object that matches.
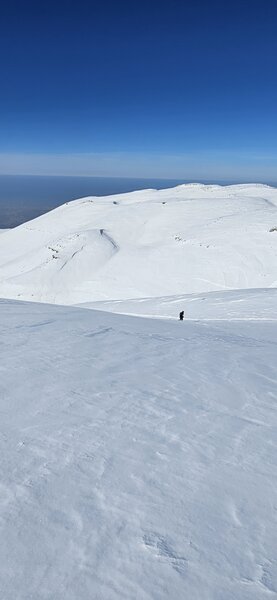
(252, 304)
(189, 239)
(138, 456)
(138, 452)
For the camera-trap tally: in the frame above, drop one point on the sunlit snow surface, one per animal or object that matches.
(138, 456)
(151, 243)
(252, 304)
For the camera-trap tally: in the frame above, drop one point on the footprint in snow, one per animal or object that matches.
(161, 548)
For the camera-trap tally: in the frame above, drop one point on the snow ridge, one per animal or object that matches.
(152, 243)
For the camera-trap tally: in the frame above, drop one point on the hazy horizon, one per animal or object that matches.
(24, 197)
(180, 90)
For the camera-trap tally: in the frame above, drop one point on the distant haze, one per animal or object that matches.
(177, 90)
(23, 198)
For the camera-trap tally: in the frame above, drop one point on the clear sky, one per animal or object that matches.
(151, 88)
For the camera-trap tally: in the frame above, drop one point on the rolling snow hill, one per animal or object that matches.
(190, 239)
(138, 456)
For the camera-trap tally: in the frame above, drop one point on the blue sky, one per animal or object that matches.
(139, 89)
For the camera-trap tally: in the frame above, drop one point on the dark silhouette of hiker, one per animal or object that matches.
(181, 315)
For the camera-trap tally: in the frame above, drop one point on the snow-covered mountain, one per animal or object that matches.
(139, 455)
(150, 243)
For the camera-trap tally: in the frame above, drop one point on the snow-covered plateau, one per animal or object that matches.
(139, 455)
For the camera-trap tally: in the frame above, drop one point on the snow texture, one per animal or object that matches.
(139, 455)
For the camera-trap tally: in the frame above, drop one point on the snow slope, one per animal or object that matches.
(138, 456)
(252, 304)
(190, 239)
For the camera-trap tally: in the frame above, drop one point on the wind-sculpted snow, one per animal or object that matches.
(66, 262)
(190, 239)
(138, 456)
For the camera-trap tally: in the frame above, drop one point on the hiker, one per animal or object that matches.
(181, 315)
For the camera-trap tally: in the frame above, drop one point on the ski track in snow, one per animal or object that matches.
(138, 457)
